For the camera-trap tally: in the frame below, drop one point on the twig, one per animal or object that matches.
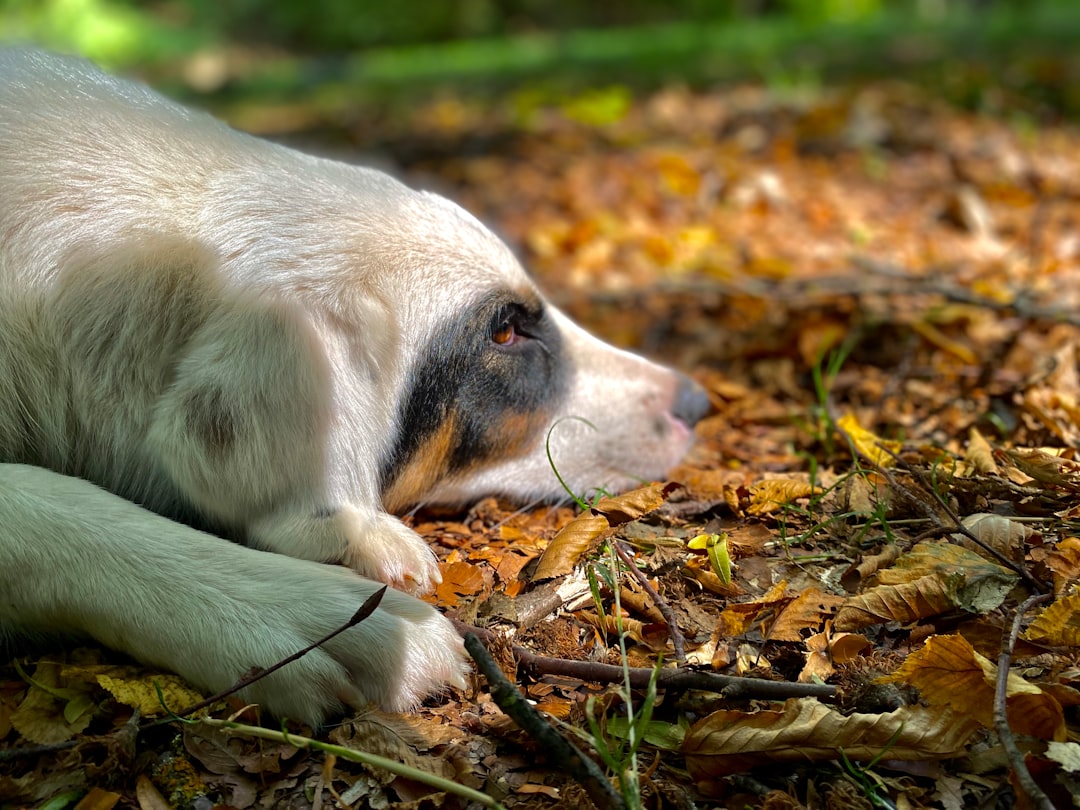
(674, 633)
(1001, 719)
(371, 760)
(257, 673)
(729, 686)
(563, 753)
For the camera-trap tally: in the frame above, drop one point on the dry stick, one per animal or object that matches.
(674, 633)
(729, 686)
(562, 752)
(1001, 721)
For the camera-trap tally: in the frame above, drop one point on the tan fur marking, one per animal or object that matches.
(424, 469)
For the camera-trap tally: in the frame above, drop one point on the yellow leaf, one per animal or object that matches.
(948, 672)
(1059, 624)
(769, 496)
(867, 443)
(716, 545)
(139, 692)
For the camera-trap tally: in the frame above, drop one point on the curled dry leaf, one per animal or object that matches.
(826, 648)
(868, 444)
(1058, 624)
(1046, 468)
(632, 505)
(567, 547)
(804, 730)
(905, 603)
(980, 455)
(949, 673)
(579, 535)
(1003, 535)
(769, 496)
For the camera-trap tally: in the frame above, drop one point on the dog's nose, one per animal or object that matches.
(691, 401)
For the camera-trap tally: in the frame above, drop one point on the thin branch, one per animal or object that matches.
(674, 633)
(1001, 719)
(729, 686)
(563, 754)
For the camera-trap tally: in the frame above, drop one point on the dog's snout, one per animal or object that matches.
(691, 402)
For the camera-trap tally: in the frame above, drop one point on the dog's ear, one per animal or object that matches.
(242, 425)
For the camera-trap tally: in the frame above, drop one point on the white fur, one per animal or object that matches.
(215, 326)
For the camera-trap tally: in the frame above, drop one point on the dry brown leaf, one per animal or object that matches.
(807, 611)
(868, 444)
(1000, 533)
(931, 334)
(1059, 624)
(870, 565)
(948, 672)
(980, 455)
(1064, 561)
(574, 540)
(906, 603)
(1046, 468)
(732, 741)
(459, 579)
(818, 663)
(620, 509)
(769, 496)
(973, 583)
(735, 619)
(568, 546)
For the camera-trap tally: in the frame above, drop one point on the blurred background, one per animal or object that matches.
(287, 46)
(661, 165)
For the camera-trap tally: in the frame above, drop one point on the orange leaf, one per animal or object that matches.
(948, 672)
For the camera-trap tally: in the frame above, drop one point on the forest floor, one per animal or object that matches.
(881, 293)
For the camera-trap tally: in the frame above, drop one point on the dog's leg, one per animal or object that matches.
(76, 559)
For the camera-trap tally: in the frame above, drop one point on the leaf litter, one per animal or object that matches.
(879, 293)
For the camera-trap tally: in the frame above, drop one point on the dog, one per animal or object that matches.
(224, 364)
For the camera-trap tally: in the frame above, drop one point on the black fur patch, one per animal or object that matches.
(465, 375)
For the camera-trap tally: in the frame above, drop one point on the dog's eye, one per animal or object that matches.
(504, 334)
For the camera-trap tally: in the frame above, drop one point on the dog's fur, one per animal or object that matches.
(232, 339)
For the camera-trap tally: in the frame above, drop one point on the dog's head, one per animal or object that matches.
(493, 378)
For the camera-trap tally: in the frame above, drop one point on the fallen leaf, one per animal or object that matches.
(1058, 624)
(566, 548)
(733, 741)
(868, 444)
(773, 494)
(948, 672)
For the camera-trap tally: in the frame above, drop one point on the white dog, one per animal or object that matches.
(220, 337)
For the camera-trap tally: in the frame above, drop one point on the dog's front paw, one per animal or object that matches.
(395, 657)
(385, 549)
(372, 543)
